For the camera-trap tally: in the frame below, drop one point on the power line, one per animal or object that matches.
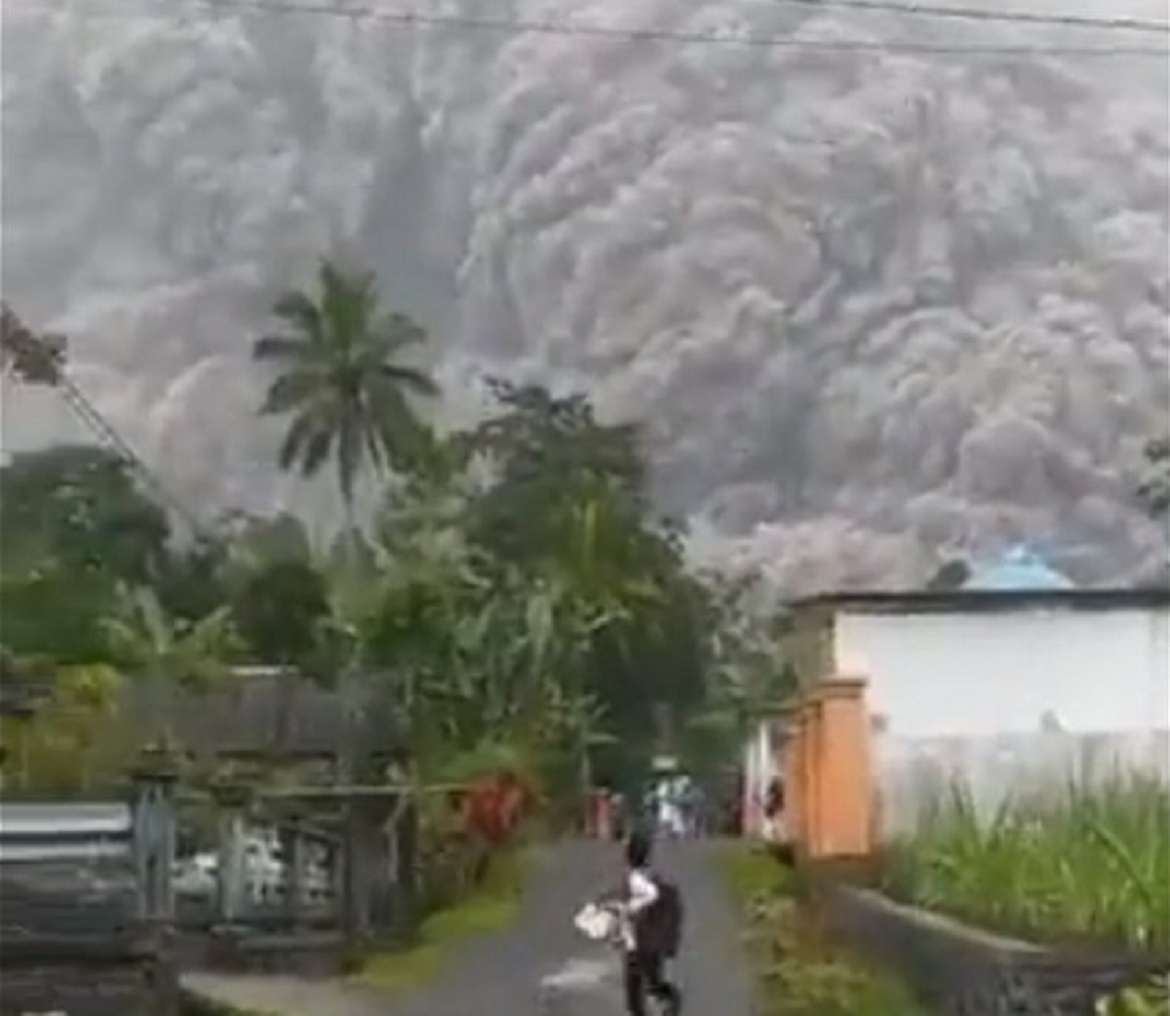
(88, 413)
(510, 26)
(978, 14)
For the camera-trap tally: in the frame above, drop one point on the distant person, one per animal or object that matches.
(651, 931)
(774, 811)
(670, 812)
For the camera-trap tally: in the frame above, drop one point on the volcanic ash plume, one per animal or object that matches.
(869, 303)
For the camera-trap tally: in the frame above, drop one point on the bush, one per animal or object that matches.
(1077, 864)
(800, 972)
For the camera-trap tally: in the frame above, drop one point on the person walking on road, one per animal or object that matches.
(651, 932)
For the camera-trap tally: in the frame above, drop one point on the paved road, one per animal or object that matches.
(540, 967)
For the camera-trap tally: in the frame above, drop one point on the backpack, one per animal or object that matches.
(660, 928)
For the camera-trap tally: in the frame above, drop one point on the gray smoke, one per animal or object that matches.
(872, 306)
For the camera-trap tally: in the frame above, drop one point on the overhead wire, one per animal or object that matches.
(982, 14)
(89, 415)
(629, 33)
(93, 419)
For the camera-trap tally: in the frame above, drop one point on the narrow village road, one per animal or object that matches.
(540, 966)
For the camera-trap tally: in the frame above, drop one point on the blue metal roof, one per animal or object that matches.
(1021, 569)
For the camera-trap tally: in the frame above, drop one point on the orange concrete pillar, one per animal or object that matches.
(807, 778)
(814, 776)
(790, 761)
(845, 820)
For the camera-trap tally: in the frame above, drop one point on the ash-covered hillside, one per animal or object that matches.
(869, 304)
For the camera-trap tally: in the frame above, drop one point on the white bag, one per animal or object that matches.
(597, 924)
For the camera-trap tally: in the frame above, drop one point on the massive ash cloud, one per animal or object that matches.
(869, 305)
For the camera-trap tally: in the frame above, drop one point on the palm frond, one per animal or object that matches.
(296, 439)
(347, 304)
(281, 348)
(349, 452)
(300, 312)
(290, 390)
(317, 447)
(400, 331)
(410, 379)
(339, 378)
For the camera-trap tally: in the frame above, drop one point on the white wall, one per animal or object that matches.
(915, 772)
(938, 675)
(963, 697)
(759, 769)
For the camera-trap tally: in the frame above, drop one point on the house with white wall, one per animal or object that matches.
(999, 688)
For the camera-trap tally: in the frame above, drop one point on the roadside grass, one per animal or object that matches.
(196, 1005)
(798, 972)
(492, 907)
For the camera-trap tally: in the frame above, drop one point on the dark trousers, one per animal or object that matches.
(645, 976)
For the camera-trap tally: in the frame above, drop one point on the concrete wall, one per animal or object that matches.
(911, 773)
(1010, 701)
(989, 673)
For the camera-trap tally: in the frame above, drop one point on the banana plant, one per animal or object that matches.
(146, 641)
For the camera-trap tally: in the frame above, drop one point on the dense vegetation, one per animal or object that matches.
(1082, 864)
(799, 972)
(513, 595)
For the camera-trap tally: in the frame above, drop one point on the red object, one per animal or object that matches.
(494, 806)
(601, 815)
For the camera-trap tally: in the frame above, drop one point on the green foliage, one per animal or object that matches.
(193, 581)
(74, 526)
(562, 508)
(144, 640)
(1152, 999)
(515, 599)
(556, 470)
(492, 906)
(79, 506)
(747, 675)
(279, 610)
(799, 972)
(340, 380)
(51, 611)
(77, 742)
(1080, 863)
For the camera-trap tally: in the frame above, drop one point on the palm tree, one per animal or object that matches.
(340, 382)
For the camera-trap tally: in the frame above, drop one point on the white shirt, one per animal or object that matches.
(641, 892)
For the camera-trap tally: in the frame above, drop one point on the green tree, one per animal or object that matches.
(146, 641)
(282, 613)
(749, 671)
(80, 505)
(77, 740)
(74, 526)
(567, 504)
(551, 459)
(278, 611)
(341, 381)
(193, 582)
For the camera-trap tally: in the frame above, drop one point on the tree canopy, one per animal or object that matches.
(341, 380)
(517, 595)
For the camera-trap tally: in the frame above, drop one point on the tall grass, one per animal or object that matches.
(1078, 863)
(799, 972)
